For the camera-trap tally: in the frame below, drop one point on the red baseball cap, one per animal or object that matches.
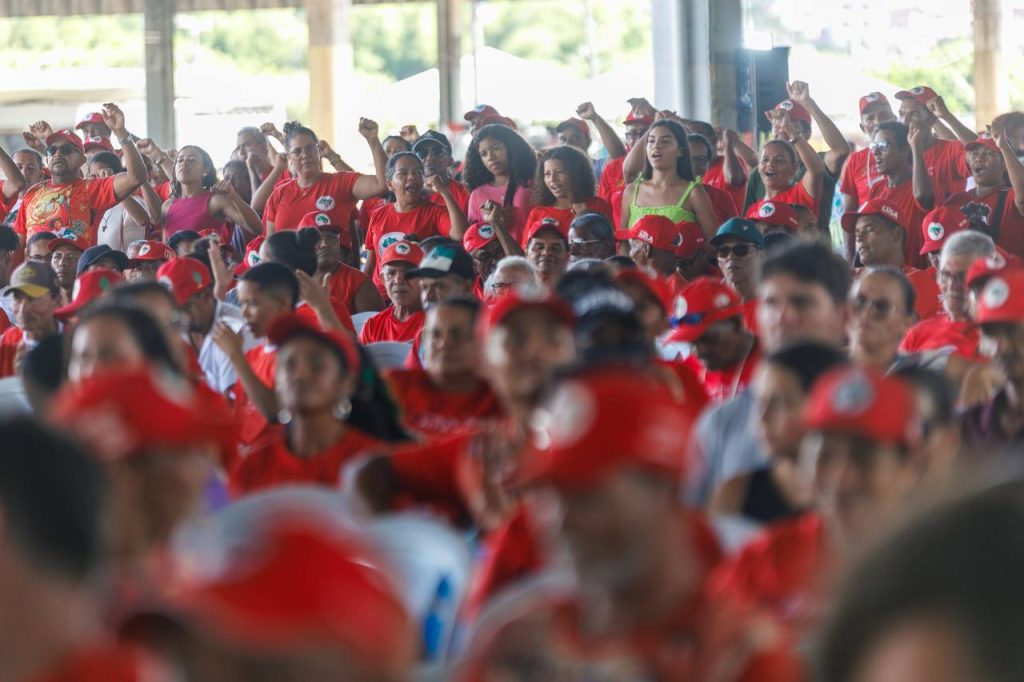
(656, 230)
(982, 268)
(796, 111)
(152, 251)
(701, 304)
(863, 402)
(880, 207)
(938, 225)
(922, 93)
(402, 251)
(324, 221)
(184, 277)
(292, 325)
(984, 140)
(478, 235)
(692, 239)
(91, 117)
(480, 111)
(633, 119)
(494, 119)
(605, 421)
(519, 299)
(88, 287)
(125, 412)
(252, 256)
(1002, 297)
(68, 238)
(65, 135)
(100, 143)
(545, 223)
(872, 98)
(296, 580)
(658, 287)
(577, 124)
(773, 213)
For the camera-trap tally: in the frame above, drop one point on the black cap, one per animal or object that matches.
(435, 137)
(445, 260)
(96, 253)
(183, 236)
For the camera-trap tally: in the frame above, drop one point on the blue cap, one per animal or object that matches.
(740, 228)
(94, 253)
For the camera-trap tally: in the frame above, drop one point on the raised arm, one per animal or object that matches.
(838, 147)
(496, 217)
(922, 184)
(732, 167)
(135, 169)
(228, 204)
(814, 167)
(609, 139)
(455, 214)
(266, 188)
(368, 186)
(938, 107)
(1014, 168)
(14, 181)
(261, 395)
(159, 157)
(333, 157)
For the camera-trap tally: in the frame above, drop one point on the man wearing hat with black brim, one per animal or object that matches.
(435, 151)
(447, 271)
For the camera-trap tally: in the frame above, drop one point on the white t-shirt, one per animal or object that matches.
(220, 373)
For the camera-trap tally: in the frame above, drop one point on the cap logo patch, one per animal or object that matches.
(146, 248)
(325, 203)
(253, 259)
(680, 308)
(677, 240)
(644, 236)
(197, 278)
(767, 210)
(104, 284)
(785, 105)
(996, 293)
(722, 300)
(917, 90)
(440, 258)
(936, 231)
(549, 221)
(996, 261)
(566, 419)
(390, 238)
(28, 275)
(322, 219)
(402, 249)
(890, 211)
(853, 396)
(486, 232)
(872, 97)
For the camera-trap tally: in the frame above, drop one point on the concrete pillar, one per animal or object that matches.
(158, 19)
(330, 64)
(990, 89)
(449, 55)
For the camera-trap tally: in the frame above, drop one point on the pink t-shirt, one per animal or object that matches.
(521, 205)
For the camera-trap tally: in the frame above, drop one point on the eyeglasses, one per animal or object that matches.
(737, 250)
(426, 151)
(501, 286)
(880, 308)
(64, 149)
(309, 149)
(880, 146)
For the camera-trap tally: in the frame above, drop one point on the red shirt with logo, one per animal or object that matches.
(860, 174)
(331, 194)
(939, 333)
(946, 161)
(388, 226)
(384, 326)
(565, 216)
(796, 194)
(1011, 227)
(430, 410)
(77, 206)
(911, 216)
(715, 177)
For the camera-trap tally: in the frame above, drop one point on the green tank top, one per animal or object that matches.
(676, 214)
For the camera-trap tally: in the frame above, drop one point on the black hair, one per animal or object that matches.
(143, 327)
(130, 293)
(9, 239)
(52, 495)
(624, 262)
(108, 159)
(44, 364)
(700, 139)
(295, 249)
(684, 169)
(39, 157)
(811, 263)
(405, 143)
(274, 277)
(183, 236)
(958, 565)
(209, 171)
(598, 222)
(907, 289)
(39, 237)
(434, 241)
(704, 129)
(467, 303)
(900, 132)
(582, 184)
(807, 360)
(777, 240)
(293, 128)
(374, 410)
(938, 388)
(787, 146)
(522, 161)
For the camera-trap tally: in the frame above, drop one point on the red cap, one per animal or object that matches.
(517, 300)
(633, 119)
(65, 135)
(478, 235)
(773, 213)
(1002, 297)
(938, 225)
(152, 251)
(88, 287)
(291, 325)
(982, 268)
(324, 221)
(184, 277)
(577, 124)
(880, 207)
(67, 238)
(692, 239)
(658, 287)
(984, 140)
(123, 413)
(656, 230)
(701, 304)
(604, 422)
(402, 251)
(100, 143)
(872, 98)
(252, 256)
(494, 119)
(922, 93)
(865, 403)
(545, 223)
(91, 117)
(796, 111)
(480, 111)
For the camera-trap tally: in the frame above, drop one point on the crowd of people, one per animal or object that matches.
(675, 405)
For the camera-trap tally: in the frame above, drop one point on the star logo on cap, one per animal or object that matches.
(854, 396)
(549, 221)
(486, 232)
(402, 249)
(566, 419)
(767, 210)
(996, 293)
(322, 219)
(325, 203)
(936, 231)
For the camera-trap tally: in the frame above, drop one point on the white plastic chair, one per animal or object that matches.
(389, 354)
(12, 398)
(359, 319)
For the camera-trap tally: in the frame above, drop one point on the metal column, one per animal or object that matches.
(159, 38)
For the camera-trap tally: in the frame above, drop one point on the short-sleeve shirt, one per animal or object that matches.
(388, 226)
(432, 411)
(946, 162)
(902, 196)
(521, 204)
(77, 206)
(331, 194)
(797, 194)
(860, 173)
(344, 283)
(722, 203)
(1010, 234)
(611, 186)
(715, 177)
(565, 216)
(939, 333)
(385, 327)
(459, 193)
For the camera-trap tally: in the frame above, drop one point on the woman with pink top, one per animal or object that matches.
(198, 202)
(499, 171)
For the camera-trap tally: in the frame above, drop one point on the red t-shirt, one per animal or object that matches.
(385, 327)
(10, 340)
(611, 186)
(1011, 227)
(694, 393)
(796, 194)
(163, 190)
(940, 332)
(337, 305)
(715, 177)
(565, 216)
(946, 162)
(78, 206)
(724, 384)
(366, 209)
(103, 663)
(432, 411)
(263, 361)
(5, 322)
(388, 226)
(902, 196)
(860, 174)
(273, 464)
(459, 193)
(722, 203)
(343, 284)
(928, 303)
(750, 315)
(331, 194)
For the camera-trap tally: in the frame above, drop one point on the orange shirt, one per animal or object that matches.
(77, 206)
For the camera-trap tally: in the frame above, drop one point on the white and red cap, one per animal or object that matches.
(478, 235)
(921, 93)
(796, 111)
(1002, 297)
(938, 225)
(879, 207)
(656, 230)
(774, 213)
(864, 403)
(871, 99)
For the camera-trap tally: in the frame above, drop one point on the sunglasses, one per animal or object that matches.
(879, 307)
(738, 250)
(64, 149)
(879, 146)
(427, 150)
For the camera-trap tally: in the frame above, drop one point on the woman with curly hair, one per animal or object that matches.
(198, 202)
(564, 187)
(498, 171)
(312, 189)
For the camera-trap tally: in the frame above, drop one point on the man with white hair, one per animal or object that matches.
(510, 273)
(954, 327)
